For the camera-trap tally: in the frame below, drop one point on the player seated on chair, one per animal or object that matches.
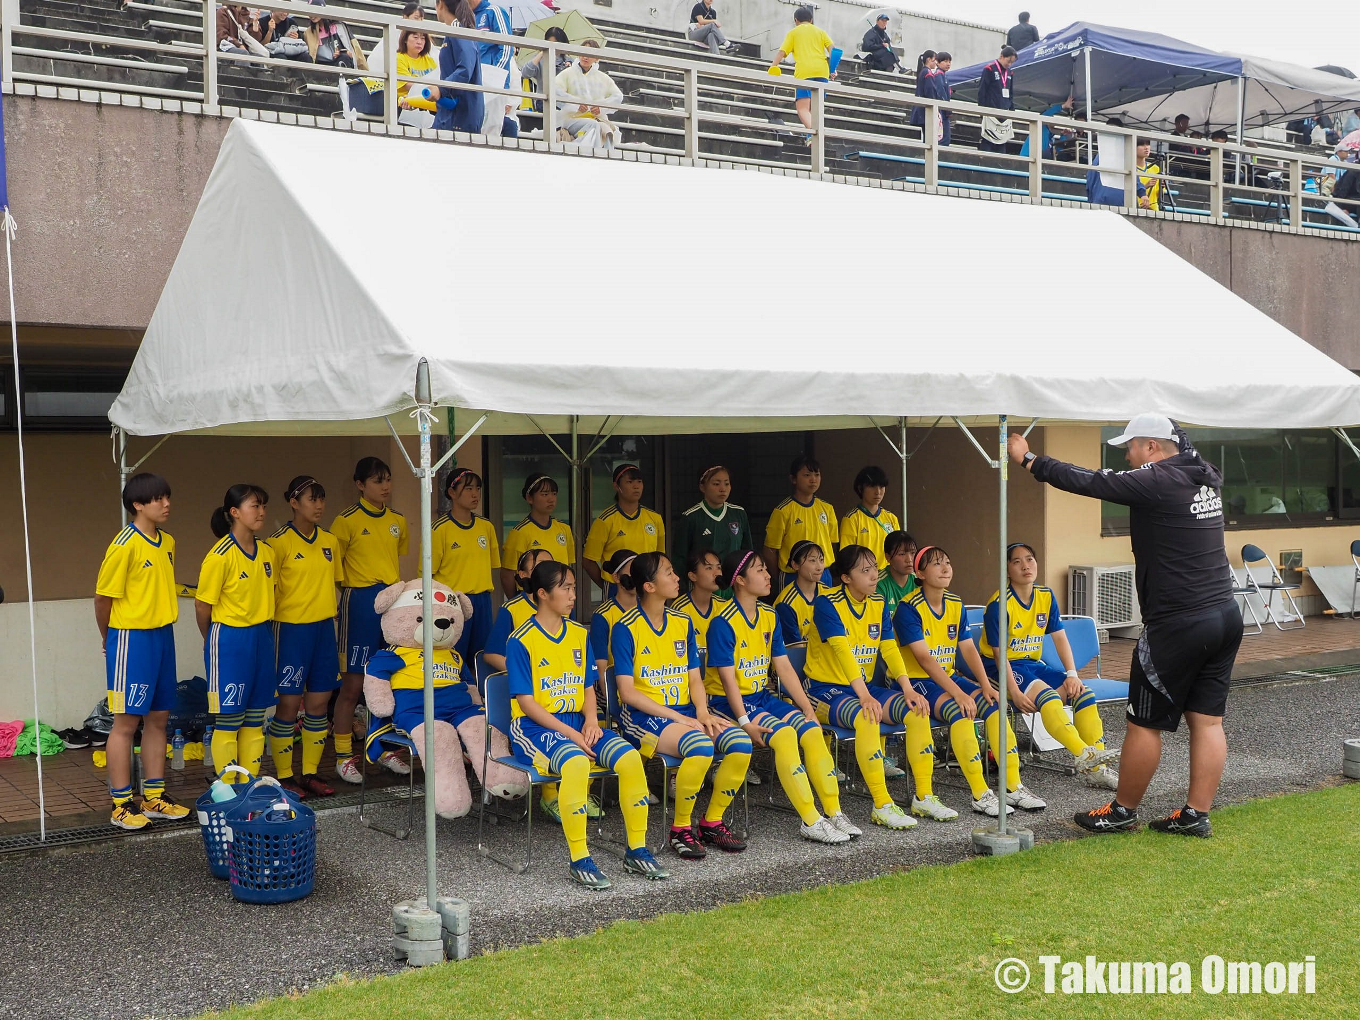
(394, 688)
(1032, 612)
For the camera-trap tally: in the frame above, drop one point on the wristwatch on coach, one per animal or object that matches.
(1027, 459)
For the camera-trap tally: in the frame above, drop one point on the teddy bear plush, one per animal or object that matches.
(394, 684)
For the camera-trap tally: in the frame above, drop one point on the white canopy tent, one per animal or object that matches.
(605, 327)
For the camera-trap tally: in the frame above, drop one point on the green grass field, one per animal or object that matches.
(1278, 881)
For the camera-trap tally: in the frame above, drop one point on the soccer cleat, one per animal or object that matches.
(752, 778)
(719, 835)
(163, 807)
(392, 761)
(1184, 821)
(933, 807)
(349, 769)
(641, 862)
(686, 844)
(987, 804)
(822, 831)
(1092, 758)
(1023, 797)
(1111, 817)
(1102, 777)
(73, 739)
(550, 808)
(294, 787)
(316, 787)
(892, 817)
(125, 816)
(585, 872)
(890, 769)
(842, 822)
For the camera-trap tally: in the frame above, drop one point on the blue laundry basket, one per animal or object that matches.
(212, 823)
(270, 861)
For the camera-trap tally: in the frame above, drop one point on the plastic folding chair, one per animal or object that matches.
(1264, 580)
(391, 739)
(1355, 587)
(1243, 591)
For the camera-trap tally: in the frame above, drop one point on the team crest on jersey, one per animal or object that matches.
(767, 637)
(268, 572)
(649, 528)
(680, 648)
(481, 540)
(577, 657)
(326, 553)
(735, 527)
(953, 632)
(170, 556)
(873, 631)
(395, 529)
(821, 516)
(561, 540)
(1041, 619)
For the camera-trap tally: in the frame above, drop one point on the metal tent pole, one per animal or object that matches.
(1002, 649)
(424, 419)
(120, 440)
(577, 517)
(1241, 124)
(902, 445)
(1090, 103)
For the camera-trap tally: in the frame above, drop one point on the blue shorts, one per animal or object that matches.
(360, 626)
(307, 657)
(548, 751)
(140, 668)
(805, 93)
(1028, 670)
(477, 629)
(452, 704)
(766, 709)
(240, 663)
(838, 705)
(933, 692)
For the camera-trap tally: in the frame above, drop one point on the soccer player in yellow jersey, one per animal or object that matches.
(794, 605)
(540, 530)
(665, 706)
(745, 648)
(306, 572)
(810, 48)
(930, 628)
(514, 613)
(702, 603)
(234, 606)
(370, 536)
(801, 516)
(869, 524)
(135, 609)
(850, 630)
(556, 728)
(625, 525)
(1032, 613)
(467, 557)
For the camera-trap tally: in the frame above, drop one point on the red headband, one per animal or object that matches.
(916, 563)
(623, 469)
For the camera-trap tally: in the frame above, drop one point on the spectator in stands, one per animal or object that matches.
(1181, 128)
(944, 60)
(234, 25)
(1022, 35)
(1350, 122)
(582, 87)
(925, 67)
(1063, 109)
(996, 91)
(281, 36)
(458, 109)
(496, 60)
(330, 42)
(412, 11)
(1346, 190)
(1149, 177)
(1099, 193)
(706, 29)
(878, 51)
(811, 51)
(533, 67)
(416, 59)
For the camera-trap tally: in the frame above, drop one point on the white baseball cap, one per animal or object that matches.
(1146, 426)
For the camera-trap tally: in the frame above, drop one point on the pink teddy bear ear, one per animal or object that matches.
(387, 596)
(465, 604)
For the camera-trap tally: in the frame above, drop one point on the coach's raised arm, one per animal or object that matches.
(1192, 626)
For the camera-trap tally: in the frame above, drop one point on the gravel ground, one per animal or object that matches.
(139, 928)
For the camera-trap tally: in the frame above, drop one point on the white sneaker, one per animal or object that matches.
(1023, 798)
(349, 769)
(987, 804)
(1102, 777)
(893, 817)
(1093, 757)
(933, 807)
(843, 824)
(752, 778)
(392, 761)
(841, 777)
(890, 769)
(822, 831)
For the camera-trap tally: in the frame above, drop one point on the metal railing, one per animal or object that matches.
(850, 123)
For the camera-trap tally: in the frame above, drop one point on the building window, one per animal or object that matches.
(59, 398)
(1271, 477)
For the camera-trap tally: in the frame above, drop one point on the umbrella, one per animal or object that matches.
(881, 12)
(523, 13)
(1351, 141)
(574, 23)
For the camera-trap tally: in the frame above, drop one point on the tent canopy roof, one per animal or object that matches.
(688, 300)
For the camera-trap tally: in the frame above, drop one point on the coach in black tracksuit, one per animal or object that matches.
(1192, 626)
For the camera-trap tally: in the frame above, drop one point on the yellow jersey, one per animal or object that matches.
(657, 658)
(602, 629)
(793, 522)
(614, 530)
(306, 571)
(555, 669)
(747, 645)
(859, 527)
(139, 575)
(369, 541)
(509, 618)
(942, 631)
(528, 534)
(810, 47)
(684, 604)
(239, 588)
(404, 668)
(1027, 624)
(863, 626)
(794, 610)
(464, 556)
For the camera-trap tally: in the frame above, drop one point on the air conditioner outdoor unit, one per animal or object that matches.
(1105, 592)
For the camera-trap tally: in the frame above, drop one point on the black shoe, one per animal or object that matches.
(1184, 821)
(97, 739)
(1111, 817)
(686, 845)
(721, 836)
(74, 739)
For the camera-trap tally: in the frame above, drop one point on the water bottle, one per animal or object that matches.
(177, 760)
(207, 749)
(220, 791)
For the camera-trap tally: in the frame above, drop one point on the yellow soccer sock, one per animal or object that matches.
(821, 769)
(992, 723)
(963, 739)
(224, 745)
(920, 753)
(870, 757)
(792, 776)
(281, 746)
(344, 745)
(572, 804)
(689, 777)
(728, 777)
(633, 798)
(250, 740)
(1055, 719)
(1086, 717)
(313, 742)
(548, 792)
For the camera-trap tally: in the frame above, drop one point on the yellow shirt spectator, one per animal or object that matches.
(809, 47)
